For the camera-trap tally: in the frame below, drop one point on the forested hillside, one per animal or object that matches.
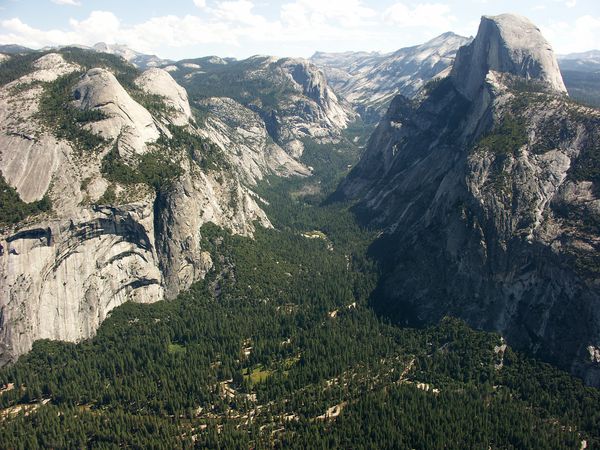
(278, 348)
(359, 250)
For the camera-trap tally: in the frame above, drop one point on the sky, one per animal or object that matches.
(178, 29)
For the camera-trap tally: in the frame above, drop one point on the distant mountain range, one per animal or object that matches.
(581, 74)
(591, 56)
(370, 80)
(139, 60)
(581, 62)
(10, 49)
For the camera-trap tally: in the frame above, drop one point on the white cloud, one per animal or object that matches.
(67, 2)
(97, 26)
(174, 31)
(318, 14)
(230, 22)
(237, 27)
(428, 15)
(569, 37)
(237, 11)
(18, 32)
(171, 31)
(571, 3)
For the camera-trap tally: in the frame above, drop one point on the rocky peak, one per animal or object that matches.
(313, 84)
(160, 82)
(125, 119)
(506, 43)
(444, 44)
(116, 49)
(485, 190)
(308, 77)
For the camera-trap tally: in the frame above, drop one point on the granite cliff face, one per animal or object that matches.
(125, 119)
(114, 234)
(507, 44)
(486, 186)
(159, 82)
(240, 132)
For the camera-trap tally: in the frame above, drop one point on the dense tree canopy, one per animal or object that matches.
(278, 348)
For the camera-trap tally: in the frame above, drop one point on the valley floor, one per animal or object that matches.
(278, 348)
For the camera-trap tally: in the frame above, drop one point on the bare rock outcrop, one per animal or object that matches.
(108, 240)
(29, 155)
(314, 111)
(195, 199)
(243, 137)
(486, 187)
(127, 120)
(160, 82)
(509, 44)
(62, 272)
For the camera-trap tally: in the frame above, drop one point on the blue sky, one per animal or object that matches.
(190, 28)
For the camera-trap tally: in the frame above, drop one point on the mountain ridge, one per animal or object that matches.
(370, 81)
(472, 182)
(211, 184)
(132, 171)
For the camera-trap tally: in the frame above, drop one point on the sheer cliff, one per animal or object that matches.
(127, 174)
(487, 187)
